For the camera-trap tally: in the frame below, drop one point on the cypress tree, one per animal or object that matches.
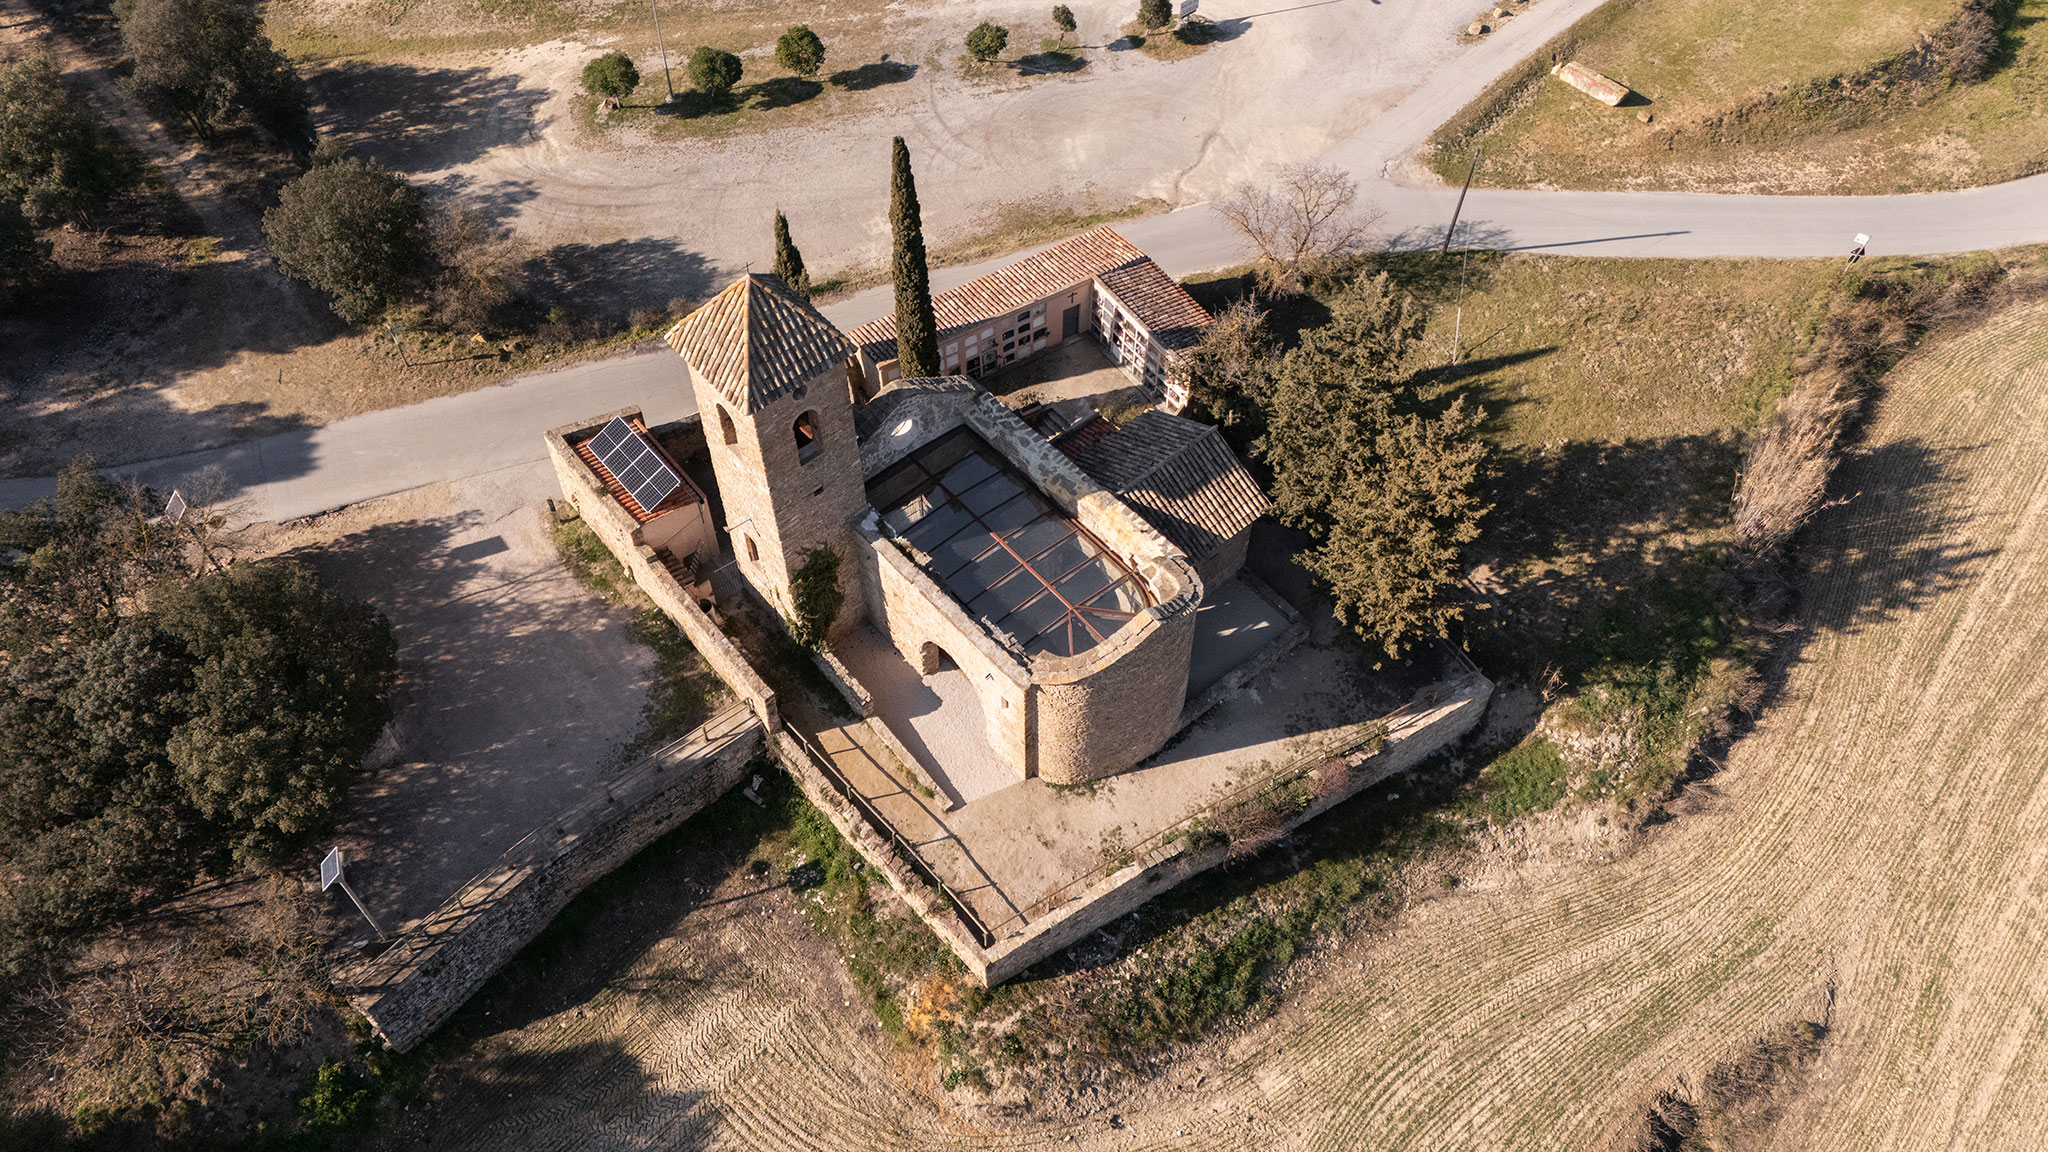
(789, 263)
(917, 330)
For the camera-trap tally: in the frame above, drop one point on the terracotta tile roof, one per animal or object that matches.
(757, 340)
(1178, 474)
(1158, 303)
(684, 495)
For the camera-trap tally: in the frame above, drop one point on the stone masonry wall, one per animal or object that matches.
(1438, 715)
(783, 504)
(616, 528)
(411, 989)
(910, 609)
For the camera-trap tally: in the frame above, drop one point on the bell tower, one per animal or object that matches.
(769, 376)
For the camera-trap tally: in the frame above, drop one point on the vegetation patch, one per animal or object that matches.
(1921, 96)
(684, 687)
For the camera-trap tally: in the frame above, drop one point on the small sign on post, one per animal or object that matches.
(176, 509)
(331, 873)
(1857, 249)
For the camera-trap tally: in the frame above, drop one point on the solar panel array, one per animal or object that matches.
(634, 463)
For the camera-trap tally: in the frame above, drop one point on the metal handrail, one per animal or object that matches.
(880, 823)
(458, 907)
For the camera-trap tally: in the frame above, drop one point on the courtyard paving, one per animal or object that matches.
(1014, 853)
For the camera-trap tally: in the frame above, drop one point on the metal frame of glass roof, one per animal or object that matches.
(1003, 549)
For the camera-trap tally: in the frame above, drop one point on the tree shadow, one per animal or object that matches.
(497, 203)
(1049, 63)
(694, 104)
(87, 363)
(504, 1100)
(875, 75)
(1889, 545)
(617, 277)
(417, 119)
(1580, 531)
(782, 92)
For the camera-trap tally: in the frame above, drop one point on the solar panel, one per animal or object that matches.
(634, 463)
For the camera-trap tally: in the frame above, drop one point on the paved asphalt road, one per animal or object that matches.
(300, 473)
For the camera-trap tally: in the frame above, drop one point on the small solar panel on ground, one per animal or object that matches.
(634, 463)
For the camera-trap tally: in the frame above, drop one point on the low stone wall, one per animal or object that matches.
(1438, 715)
(717, 649)
(930, 906)
(415, 985)
(843, 679)
(620, 534)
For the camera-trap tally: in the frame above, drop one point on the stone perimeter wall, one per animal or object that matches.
(413, 988)
(1438, 716)
(620, 534)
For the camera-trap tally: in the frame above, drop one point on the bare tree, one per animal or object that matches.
(1305, 221)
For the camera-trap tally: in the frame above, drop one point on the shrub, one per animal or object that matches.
(612, 77)
(800, 51)
(24, 258)
(987, 41)
(817, 597)
(219, 728)
(343, 1100)
(352, 230)
(1155, 13)
(714, 71)
(477, 269)
(1063, 19)
(207, 64)
(53, 159)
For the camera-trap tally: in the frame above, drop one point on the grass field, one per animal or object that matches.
(1726, 85)
(1870, 860)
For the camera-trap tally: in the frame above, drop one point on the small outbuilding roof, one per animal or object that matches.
(1145, 289)
(757, 341)
(682, 496)
(1176, 473)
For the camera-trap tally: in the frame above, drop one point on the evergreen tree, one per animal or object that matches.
(917, 330)
(1063, 19)
(1389, 481)
(800, 51)
(789, 263)
(352, 230)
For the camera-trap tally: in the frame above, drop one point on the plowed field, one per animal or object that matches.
(1882, 837)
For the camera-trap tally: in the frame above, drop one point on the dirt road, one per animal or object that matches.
(1883, 834)
(1290, 83)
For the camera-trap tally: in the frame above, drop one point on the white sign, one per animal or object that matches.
(330, 869)
(175, 510)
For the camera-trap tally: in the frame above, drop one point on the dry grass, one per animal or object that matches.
(1725, 83)
(414, 29)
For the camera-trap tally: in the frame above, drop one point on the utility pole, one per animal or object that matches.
(654, 6)
(1460, 209)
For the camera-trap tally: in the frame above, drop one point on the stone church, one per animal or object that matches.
(1056, 558)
